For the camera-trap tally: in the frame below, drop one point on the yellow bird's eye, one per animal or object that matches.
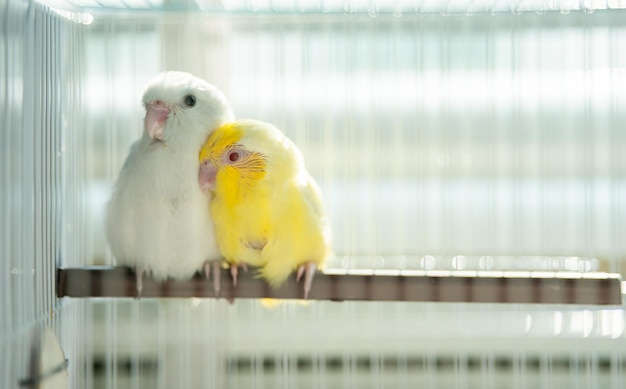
(237, 156)
(233, 155)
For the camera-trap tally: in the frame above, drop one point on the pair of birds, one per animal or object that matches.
(199, 189)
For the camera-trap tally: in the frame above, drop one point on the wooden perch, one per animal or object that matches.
(362, 285)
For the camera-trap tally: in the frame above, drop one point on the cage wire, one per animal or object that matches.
(446, 136)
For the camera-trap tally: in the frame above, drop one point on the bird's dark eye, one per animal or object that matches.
(190, 100)
(233, 156)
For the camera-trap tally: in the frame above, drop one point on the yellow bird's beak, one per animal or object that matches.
(206, 175)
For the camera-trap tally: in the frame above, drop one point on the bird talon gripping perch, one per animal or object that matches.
(308, 269)
(215, 268)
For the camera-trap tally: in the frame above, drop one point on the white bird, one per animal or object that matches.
(158, 218)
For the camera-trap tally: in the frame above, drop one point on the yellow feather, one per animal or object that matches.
(267, 209)
(219, 140)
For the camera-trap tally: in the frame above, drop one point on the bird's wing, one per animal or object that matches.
(312, 194)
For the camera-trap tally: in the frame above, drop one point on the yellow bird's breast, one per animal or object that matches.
(242, 223)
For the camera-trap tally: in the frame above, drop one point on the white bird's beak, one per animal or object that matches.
(154, 122)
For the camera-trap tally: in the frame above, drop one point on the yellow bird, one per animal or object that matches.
(266, 208)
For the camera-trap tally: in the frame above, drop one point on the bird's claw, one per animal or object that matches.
(214, 266)
(234, 271)
(139, 278)
(308, 270)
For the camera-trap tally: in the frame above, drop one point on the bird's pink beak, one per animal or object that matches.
(156, 115)
(206, 176)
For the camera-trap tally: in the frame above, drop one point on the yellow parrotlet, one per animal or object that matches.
(266, 208)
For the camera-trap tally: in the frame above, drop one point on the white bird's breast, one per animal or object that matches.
(158, 218)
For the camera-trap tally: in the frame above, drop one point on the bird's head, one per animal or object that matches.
(238, 155)
(183, 108)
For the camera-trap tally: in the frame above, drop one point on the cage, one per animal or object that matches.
(470, 154)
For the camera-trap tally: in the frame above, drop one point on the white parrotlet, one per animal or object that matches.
(158, 218)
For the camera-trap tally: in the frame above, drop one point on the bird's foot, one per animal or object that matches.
(234, 271)
(139, 278)
(215, 267)
(308, 270)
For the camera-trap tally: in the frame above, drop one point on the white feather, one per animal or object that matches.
(157, 217)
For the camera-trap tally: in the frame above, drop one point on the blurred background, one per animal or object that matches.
(445, 135)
